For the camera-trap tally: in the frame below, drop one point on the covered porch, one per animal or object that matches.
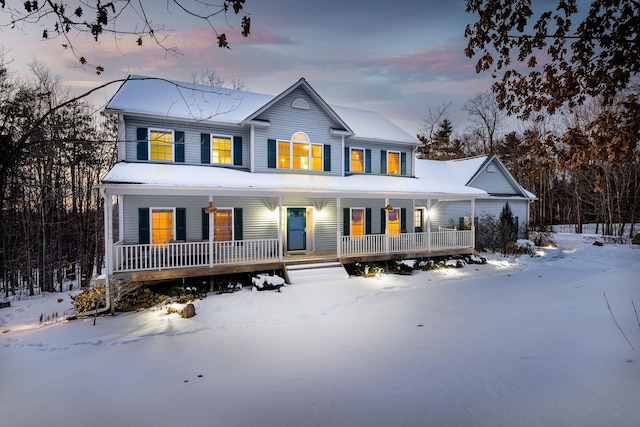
(346, 219)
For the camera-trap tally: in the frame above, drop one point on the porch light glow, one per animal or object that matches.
(211, 209)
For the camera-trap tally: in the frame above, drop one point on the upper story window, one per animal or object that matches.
(357, 160)
(161, 145)
(300, 153)
(393, 163)
(221, 149)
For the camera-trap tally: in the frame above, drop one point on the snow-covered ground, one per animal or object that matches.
(516, 342)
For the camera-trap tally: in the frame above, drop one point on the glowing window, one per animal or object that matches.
(161, 145)
(221, 150)
(357, 222)
(284, 154)
(223, 225)
(300, 137)
(162, 226)
(418, 219)
(357, 160)
(300, 155)
(393, 221)
(393, 163)
(316, 157)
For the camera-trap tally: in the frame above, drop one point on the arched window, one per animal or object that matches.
(300, 153)
(300, 137)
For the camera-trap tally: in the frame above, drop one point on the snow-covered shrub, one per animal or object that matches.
(400, 267)
(519, 247)
(541, 235)
(266, 282)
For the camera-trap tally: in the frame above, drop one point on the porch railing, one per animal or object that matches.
(140, 257)
(373, 244)
(192, 254)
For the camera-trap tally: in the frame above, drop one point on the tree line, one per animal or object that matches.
(53, 153)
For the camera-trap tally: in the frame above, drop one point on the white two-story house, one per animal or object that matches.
(211, 181)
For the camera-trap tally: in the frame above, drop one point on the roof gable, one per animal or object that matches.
(494, 177)
(302, 84)
(472, 172)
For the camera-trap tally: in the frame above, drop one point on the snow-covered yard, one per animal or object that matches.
(516, 342)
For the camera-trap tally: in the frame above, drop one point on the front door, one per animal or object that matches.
(296, 229)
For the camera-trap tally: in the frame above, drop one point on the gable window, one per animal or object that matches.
(221, 149)
(300, 153)
(357, 160)
(162, 226)
(223, 225)
(393, 163)
(161, 144)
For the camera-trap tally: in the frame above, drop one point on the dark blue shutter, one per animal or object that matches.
(179, 145)
(142, 146)
(346, 221)
(237, 224)
(383, 161)
(272, 154)
(327, 158)
(461, 223)
(347, 159)
(205, 225)
(383, 221)
(237, 150)
(205, 148)
(181, 224)
(403, 220)
(367, 221)
(367, 161)
(143, 226)
(403, 163)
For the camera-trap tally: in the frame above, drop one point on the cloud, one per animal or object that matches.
(439, 63)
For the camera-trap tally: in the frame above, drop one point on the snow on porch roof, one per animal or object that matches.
(170, 98)
(457, 172)
(207, 178)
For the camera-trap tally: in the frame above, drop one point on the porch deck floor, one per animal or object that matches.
(288, 259)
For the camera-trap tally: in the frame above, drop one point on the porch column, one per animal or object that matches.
(386, 225)
(252, 149)
(211, 255)
(120, 218)
(338, 236)
(108, 247)
(280, 234)
(429, 225)
(473, 223)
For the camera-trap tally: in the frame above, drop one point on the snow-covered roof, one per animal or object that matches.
(458, 172)
(371, 125)
(158, 97)
(462, 171)
(203, 179)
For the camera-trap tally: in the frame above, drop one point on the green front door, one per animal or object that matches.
(296, 229)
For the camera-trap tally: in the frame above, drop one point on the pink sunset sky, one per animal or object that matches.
(396, 58)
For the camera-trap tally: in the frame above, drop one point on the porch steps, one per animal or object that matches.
(315, 272)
